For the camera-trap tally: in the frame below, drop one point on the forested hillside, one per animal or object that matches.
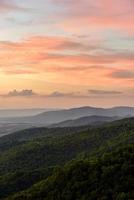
(35, 154)
(108, 177)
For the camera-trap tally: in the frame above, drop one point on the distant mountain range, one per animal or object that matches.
(85, 121)
(22, 112)
(53, 117)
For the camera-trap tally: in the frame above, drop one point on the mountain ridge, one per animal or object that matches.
(93, 120)
(52, 117)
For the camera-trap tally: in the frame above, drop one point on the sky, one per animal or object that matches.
(66, 53)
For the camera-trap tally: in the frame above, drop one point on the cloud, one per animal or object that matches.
(89, 94)
(9, 5)
(20, 71)
(97, 14)
(50, 43)
(31, 93)
(123, 74)
(74, 69)
(22, 93)
(72, 45)
(61, 94)
(53, 50)
(104, 92)
(24, 56)
(55, 94)
(63, 60)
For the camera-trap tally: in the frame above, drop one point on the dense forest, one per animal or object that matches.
(69, 163)
(108, 177)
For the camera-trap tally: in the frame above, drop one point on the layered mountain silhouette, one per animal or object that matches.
(85, 121)
(53, 117)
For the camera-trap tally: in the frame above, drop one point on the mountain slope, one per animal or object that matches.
(51, 151)
(31, 160)
(23, 136)
(109, 177)
(53, 117)
(85, 121)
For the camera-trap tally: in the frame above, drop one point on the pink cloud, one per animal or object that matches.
(60, 59)
(55, 50)
(9, 5)
(98, 14)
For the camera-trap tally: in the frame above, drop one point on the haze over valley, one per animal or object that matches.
(60, 118)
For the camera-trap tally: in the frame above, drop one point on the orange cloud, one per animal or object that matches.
(44, 50)
(63, 60)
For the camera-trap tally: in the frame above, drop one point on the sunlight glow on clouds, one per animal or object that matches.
(70, 49)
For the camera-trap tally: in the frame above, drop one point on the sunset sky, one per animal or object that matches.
(66, 53)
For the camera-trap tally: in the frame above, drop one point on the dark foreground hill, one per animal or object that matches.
(28, 161)
(109, 177)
